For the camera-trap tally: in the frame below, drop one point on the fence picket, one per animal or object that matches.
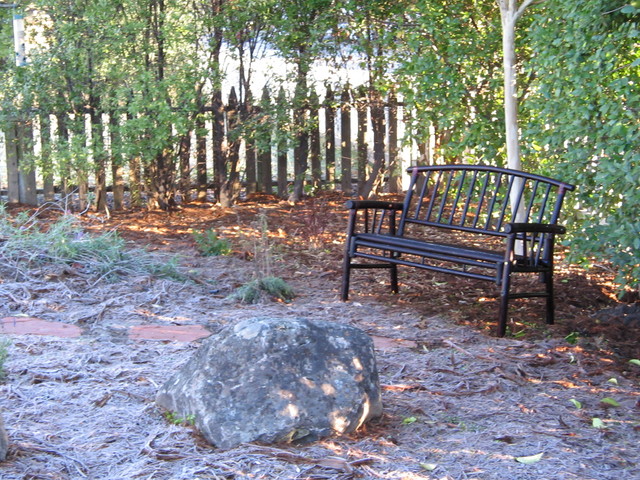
(214, 160)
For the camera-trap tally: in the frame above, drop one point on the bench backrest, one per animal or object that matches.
(480, 199)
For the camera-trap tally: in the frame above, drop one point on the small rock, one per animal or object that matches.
(277, 380)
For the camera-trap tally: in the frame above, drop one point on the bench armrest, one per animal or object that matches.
(372, 216)
(374, 204)
(534, 228)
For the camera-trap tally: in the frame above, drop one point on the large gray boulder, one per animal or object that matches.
(277, 380)
(4, 441)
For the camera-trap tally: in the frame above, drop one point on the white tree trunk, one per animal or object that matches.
(509, 14)
(510, 89)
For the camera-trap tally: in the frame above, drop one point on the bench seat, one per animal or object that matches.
(443, 252)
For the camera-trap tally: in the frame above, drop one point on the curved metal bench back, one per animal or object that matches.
(481, 199)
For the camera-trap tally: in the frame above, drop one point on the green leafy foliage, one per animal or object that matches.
(586, 102)
(450, 73)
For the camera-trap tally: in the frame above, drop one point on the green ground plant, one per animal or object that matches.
(175, 419)
(4, 352)
(210, 244)
(260, 288)
(264, 285)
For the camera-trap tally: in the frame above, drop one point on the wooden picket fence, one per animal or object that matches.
(342, 150)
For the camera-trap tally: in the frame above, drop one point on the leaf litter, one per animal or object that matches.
(481, 407)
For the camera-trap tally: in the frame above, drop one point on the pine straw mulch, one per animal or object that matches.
(459, 402)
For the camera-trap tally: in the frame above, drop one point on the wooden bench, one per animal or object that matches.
(480, 222)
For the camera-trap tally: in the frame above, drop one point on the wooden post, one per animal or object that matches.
(314, 140)
(219, 152)
(117, 173)
(282, 125)
(184, 156)
(62, 145)
(378, 124)
(228, 191)
(47, 168)
(201, 158)
(99, 157)
(395, 167)
(13, 171)
(251, 172)
(345, 141)
(26, 172)
(362, 148)
(250, 166)
(330, 137)
(135, 177)
(78, 131)
(264, 131)
(301, 146)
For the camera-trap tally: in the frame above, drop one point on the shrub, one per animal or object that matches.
(209, 244)
(256, 290)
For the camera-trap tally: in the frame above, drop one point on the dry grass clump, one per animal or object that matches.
(28, 247)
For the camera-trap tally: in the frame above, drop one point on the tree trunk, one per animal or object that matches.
(28, 190)
(510, 89)
(509, 14)
(161, 178)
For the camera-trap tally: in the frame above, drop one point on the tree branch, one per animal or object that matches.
(523, 7)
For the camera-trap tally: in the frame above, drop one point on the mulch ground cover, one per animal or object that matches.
(546, 402)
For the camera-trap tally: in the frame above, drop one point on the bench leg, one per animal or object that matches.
(504, 301)
(548, 280)
(394, 278)
(346, 274)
